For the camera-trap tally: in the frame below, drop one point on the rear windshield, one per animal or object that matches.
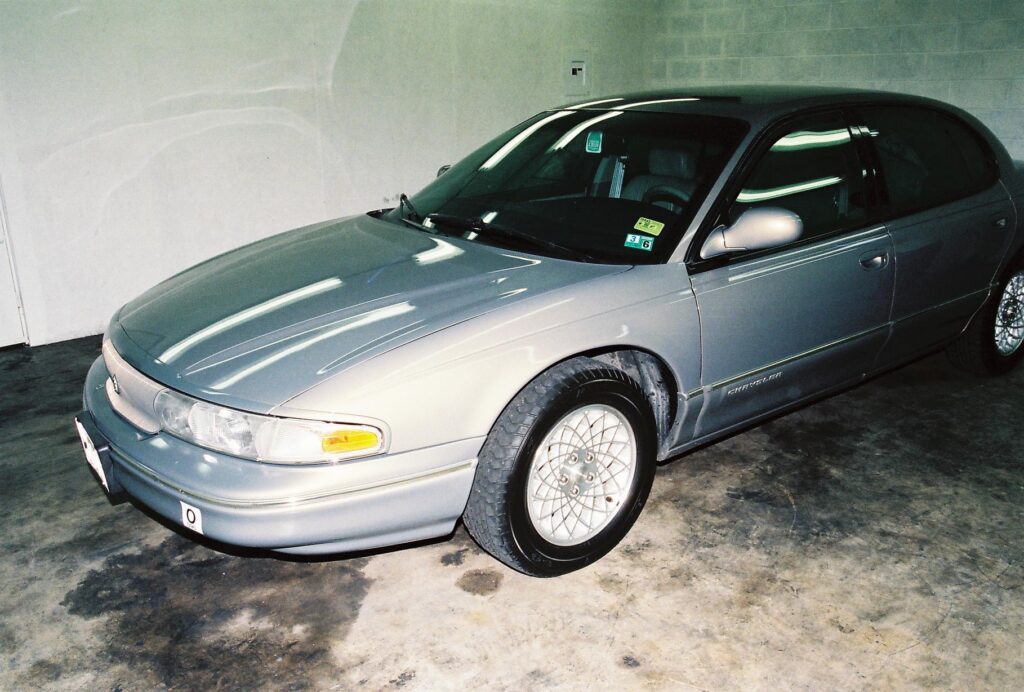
(614, 186)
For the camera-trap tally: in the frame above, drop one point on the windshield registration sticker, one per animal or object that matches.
(649, 226)
(639, 242)
(594, 142)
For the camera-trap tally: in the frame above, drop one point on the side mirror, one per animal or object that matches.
(756, 229)
(443, 169)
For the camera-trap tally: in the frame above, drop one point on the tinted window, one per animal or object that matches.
(811, 169)
(927, 158)
(618, 186)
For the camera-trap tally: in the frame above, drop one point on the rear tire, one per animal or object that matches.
(565, 471)
(992, 343)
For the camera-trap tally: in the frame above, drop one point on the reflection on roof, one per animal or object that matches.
(742, 101)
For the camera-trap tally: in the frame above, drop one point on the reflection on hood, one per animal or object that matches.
(265, 322)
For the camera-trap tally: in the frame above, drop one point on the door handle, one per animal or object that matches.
(875, 261)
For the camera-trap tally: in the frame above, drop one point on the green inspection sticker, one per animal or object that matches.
(639, 242)
(594, 140)
(649, 226)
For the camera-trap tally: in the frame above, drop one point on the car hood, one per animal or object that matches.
(256, 326)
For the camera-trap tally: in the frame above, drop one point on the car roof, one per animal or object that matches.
(748, 102)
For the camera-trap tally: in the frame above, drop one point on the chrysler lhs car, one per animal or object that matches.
(601, 288)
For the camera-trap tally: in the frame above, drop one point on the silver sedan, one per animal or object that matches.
(601, 288)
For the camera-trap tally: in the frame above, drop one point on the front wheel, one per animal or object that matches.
(992, 342)
(565, 470)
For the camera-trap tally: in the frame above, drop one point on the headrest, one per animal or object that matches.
(673, 163)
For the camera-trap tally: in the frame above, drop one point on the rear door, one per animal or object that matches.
(949, 218)
(782, 325)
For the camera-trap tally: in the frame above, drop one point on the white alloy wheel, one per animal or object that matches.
(1009, 331)
(581, 475)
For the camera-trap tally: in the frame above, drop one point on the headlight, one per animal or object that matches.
(264, 438)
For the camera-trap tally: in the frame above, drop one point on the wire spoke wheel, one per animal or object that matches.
(1009, 328)
(581, 474)
(566, 469)
(991, 344)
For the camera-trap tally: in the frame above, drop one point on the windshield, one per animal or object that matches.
(614, 186)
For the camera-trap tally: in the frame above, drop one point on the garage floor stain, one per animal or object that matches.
(185, 616)
(480, 581)
(872, 540)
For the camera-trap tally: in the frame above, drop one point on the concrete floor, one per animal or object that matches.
(871, 540)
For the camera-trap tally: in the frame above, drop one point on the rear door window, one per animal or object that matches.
(927, 158)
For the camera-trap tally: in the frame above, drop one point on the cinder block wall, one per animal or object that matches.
(967, 52)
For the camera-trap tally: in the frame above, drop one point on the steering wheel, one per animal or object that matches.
(667, 197)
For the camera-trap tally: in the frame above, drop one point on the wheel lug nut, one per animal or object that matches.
(590, 477)
(590, 456)
(573, 458)
(563, 479)
(575, 490)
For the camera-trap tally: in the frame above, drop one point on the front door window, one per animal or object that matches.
(813, 170)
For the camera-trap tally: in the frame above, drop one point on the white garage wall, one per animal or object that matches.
(966, 52)
(137, 138)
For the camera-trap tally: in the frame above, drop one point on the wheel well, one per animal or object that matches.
(653, 375)
(1016, 260)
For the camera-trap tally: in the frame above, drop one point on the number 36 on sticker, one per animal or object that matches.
(639, 242)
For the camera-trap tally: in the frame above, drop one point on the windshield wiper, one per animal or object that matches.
(477, 225)
(417, 225)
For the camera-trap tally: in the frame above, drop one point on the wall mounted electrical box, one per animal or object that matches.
(576, 74)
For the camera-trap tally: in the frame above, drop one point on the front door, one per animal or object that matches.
(781, 326)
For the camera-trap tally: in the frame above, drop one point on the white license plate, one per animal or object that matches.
(191, 517)
(91, 455)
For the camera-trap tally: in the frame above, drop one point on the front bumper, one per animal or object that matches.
(353, 505)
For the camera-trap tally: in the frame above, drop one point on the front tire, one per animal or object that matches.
(565, 471)
(993, 342)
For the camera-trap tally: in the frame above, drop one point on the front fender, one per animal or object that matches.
(453, 384)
